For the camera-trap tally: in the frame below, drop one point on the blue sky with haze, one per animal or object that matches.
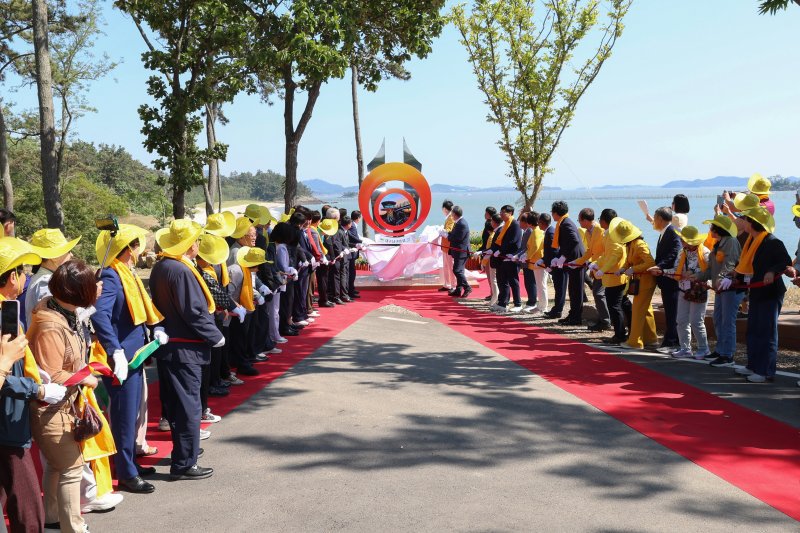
(694, 89)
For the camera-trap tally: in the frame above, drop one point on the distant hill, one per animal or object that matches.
(735, 182)
(325, 188)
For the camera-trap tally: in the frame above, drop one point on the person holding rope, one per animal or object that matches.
(458, 237)
(595, 237)
(667, 251)
(606, 269)
(506, 245)
(763, 261)
(567, 239)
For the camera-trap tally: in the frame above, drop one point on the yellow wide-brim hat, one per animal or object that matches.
(763, 217)
(242, 225)
(15, 252)
(250, 257)
(50, 243)
(329, 226)
(692, 236)
(796, 210)
(723, 222)
(212, 249)
(624, 232)
(259, 214)
(126, 234)
(744, 201)
(179, 236)
(758, 184)
(221, 224)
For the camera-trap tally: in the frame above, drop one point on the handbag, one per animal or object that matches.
(633, 287)
(87, 422)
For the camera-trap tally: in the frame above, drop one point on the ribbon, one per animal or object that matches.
(88, 370)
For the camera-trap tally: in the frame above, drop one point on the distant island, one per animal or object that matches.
(325, 188)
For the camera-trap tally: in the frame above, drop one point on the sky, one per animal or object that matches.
(694, 89)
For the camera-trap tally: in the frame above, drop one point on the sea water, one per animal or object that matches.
(623, 201)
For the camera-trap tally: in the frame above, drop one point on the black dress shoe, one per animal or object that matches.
(551, 315)
(218, 391)
(327, 304)
(572, 322)
(487, 299)
(442, 289)
(338, 301)
(600, 326)
(145, 470)
(354, 296)
(563, 320)
(195, 472)
(200, 452)
(467, 292)
(137, 485)
(346, 299)
(246, 371)
(455, 293)
(289, 333)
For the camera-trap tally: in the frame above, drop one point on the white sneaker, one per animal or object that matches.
(700, 356)
(281, 340)
(275, 350)
(209, 417)
(106, 503)
(743, 371)
(516, 309)
(756, 378)
(498, 308)
(233, 380)
(313, 314)
(204, 434)
(302, 323)
(163, 425)
(683, 353)
(309, 320)
(530, 309)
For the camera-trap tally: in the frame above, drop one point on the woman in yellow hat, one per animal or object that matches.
(763, 262)
(641, 285)
(182, 296)
(758, 186)
(693, 300)
(722, 260)
(606, 269)
(55, 250)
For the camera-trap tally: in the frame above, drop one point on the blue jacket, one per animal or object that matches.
(548, 252)
(570, 242)
(113, 322)
(459, 238)
(353, 236)
(178, 296)
(15, 424)
(668, 250)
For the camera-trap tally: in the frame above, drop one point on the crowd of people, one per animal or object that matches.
(737, 258)
(222, 298)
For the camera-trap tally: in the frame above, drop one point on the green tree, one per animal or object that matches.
(197, 55)
(523, 53)
(773, 6)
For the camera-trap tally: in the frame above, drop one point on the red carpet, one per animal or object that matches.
(751, 451)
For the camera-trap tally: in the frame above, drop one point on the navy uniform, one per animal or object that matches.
(571, 247)
(178, 296)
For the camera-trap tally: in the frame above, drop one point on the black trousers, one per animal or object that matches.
(669, 295)
(577, 295)
(322, 283)
(334, 279)
(459, 270)
(241, 351)
(559, 276)
(300, 309)
(344, 275)
(614, 296)
(182, 401)
(351, 275)
(530, 286)
(286, 305)
(508, 280)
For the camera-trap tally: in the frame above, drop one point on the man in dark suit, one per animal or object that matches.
(506, 244)
(354, 242)
(568, 240)
(667, 252)
(179, 296)
(459, 240)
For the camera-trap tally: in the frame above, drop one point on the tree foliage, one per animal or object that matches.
(525, 57)
(197, 55)
(771, 7)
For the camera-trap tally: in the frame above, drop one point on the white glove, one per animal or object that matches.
(598, 274)
(442, 233)
(120, 365)
(747, 280)
(264, 290)
(346, 252)
(54, 393)
(220, 343)
(523, 258)
(724, 284)
(240, 312)
(359, 246)
(293, 272)
(685, 284)
(476, 255)
(487, 252)
(160, 335)
(260, 299)
(497, 253)
(593, 266)
(629, 271)
(554, 263)
(325, 260)
(353, 250)
(540, 264)
(561, 261)
(314, 263)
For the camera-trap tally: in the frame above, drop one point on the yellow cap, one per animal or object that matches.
(692, 236)
(723, 222)
(221, 224)
(126, 234)
(744, 201)
(329, 226)
(50, 243)
(242, 225)
(15, 252)
(796, 210)
(624, 232)
(212, 249)
(758, 184)
(179, 236)
(251, 257)
(763, 217)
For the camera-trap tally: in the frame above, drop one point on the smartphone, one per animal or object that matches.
(9, 318)
(107, 223)
(797, 196)
(720, 200)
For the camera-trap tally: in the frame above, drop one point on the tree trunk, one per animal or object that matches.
(5, 170)
(357, 128)
(290, 191)
(47, 129)
(292, 134)
(210, 188)
(178, 207)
